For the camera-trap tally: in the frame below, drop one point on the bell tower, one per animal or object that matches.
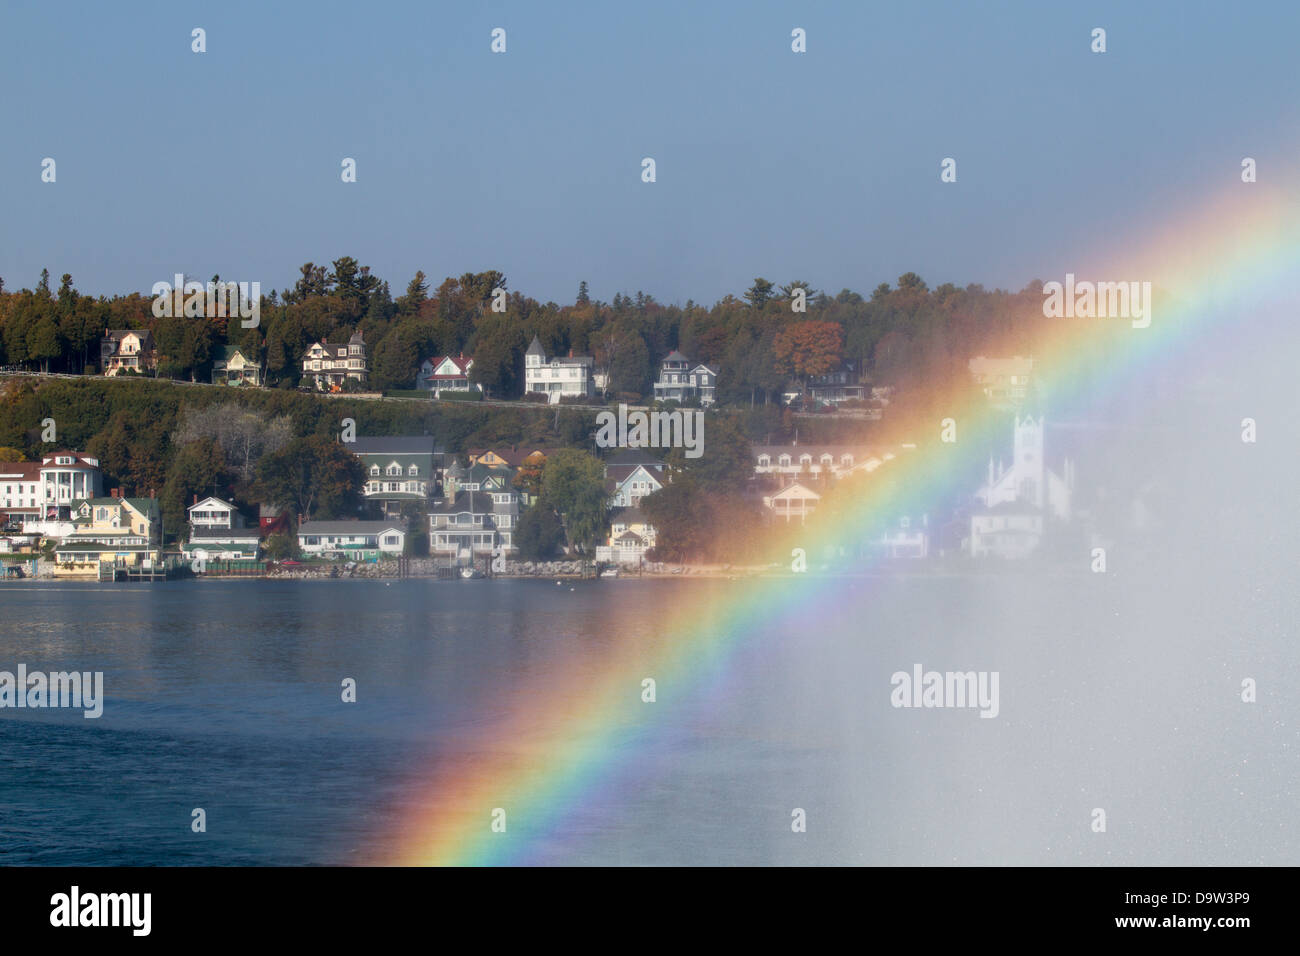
(1029, 466)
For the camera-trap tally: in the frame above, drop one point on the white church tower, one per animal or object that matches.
(1029, 466)
(1027, 481)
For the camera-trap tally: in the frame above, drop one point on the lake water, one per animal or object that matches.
(226, 696)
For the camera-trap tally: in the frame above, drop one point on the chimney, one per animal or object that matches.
(196, 499)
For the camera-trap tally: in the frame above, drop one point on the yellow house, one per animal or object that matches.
(122, 533)
(233, 367)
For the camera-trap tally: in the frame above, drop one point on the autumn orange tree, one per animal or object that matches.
(807, 349)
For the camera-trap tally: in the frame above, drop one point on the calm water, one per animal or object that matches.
(1114, 692)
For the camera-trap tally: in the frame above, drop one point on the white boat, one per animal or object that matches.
(470, 573)
(609, 573)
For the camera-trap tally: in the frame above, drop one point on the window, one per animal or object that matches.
(764, 460)
(413, 470)
(390, 539)
(784, 460)
(374, 469)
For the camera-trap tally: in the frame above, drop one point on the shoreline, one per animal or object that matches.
(570, 571)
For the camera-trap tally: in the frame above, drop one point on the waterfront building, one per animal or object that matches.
(354, 540)
(474, 523)
(218, 532)
(123, 533)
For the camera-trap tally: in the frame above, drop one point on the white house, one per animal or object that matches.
(356, 540)
(20, 492)
(557, 378)
(834, 460)
(445, 373)
(909, 537)
(39, 496)
(218, 533)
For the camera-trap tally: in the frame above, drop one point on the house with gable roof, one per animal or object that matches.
(127, 350)
(628, 484)
(232, 367)
(117, 531)
(354, 540)
(557, 377)
(681, 380)
(794, 502)
(630, 536)
(470, 524)
(398, 468)
(329, 365)
(218, 532)
(445, 373)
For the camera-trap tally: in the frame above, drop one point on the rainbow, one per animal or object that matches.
(585, 717)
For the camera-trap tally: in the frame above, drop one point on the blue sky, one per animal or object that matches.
(822, 166)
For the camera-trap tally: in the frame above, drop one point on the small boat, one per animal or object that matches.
(609, 573)
(470, 574)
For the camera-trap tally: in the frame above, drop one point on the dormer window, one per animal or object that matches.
(374, 469)
(413, 470)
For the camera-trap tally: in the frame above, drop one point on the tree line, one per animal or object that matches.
(761, 341)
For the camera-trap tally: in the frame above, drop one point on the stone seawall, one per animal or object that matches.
(423, 568)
